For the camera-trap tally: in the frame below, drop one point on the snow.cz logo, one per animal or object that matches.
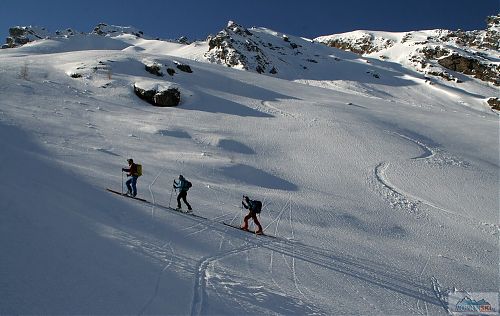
(472, 303)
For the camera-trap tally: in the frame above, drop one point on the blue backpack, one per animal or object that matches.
(257, 206)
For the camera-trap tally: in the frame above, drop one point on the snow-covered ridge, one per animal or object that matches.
(20, 35)
(432, 52)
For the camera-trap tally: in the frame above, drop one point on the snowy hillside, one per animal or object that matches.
(381, 191)
(451, 59)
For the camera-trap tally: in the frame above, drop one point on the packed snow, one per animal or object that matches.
(381, 195)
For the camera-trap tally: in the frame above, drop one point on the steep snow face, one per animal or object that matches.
(382, 192)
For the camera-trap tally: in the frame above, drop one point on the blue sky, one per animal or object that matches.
(197, 19)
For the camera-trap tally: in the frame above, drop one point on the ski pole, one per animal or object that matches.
(171, 191)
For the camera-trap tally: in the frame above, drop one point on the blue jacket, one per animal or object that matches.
(181, 184)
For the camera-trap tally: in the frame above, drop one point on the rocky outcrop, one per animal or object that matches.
(494, 103)
(154, 69)
(231, 47)
(364, 44)
(183, 67)
(482, 39)
(260, 50)
(183, 40)
(434, 52)
(158, 95)
(21, 35)
(471, 66)
(104, 29)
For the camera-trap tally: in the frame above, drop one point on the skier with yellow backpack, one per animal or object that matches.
(134, 171)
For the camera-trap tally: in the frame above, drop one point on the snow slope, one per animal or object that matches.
(380, 202)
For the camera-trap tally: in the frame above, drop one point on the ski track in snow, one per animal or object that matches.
(388, 278)
(157, 286)
(152, 194)
(413, 204)
(399, 283)
(267, 107)
(363, 276)
(440, 296)
(272, 252)
(201, 278)
(421, 274)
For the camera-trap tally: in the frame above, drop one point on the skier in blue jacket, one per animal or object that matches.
(183, 185)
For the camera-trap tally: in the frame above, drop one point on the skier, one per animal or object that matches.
(183, 185)
(254, 207)
(133, 173)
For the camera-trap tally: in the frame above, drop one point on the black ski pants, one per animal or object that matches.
(182, 195)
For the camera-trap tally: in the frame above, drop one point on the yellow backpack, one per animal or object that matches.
(139, 170)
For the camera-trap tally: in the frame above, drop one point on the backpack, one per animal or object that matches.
(139, 170)
(257, 206)
(188, 185)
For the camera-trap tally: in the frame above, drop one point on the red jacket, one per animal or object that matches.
(132, 170)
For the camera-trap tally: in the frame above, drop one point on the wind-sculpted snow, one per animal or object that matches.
(254, 176)
(235, 146)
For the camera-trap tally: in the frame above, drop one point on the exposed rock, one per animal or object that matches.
(170, 97)
(487, 39)
(434, 52)
(154, 69)
(21, 35)
(471, 53)
(494, 103)
(442, 74)
(184, 67)
(364, 44)
(104, 29)
(171, 71)
(157, 96)
(183, 40)
(145, 94)
(471, 66)
(223, 48)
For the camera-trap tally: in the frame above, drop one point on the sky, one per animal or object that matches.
(170, 19)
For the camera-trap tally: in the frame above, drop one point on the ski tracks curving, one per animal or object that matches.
(397, 197)
(267, 107)
(201, 277)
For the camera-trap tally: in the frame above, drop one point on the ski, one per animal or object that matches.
(123, 194)
(157, 205)
(247, 231)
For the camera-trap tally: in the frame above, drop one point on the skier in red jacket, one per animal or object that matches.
(133, 174)
(254, 207)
